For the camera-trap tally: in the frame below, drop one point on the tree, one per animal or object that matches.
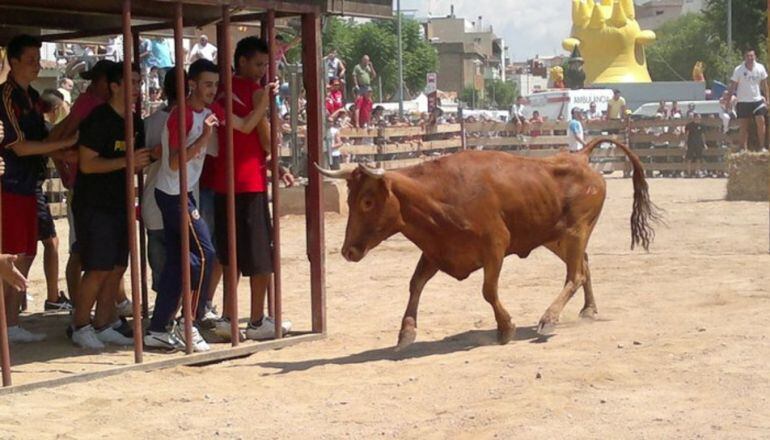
(501, 94)
(683, 42)
(749, 18)
(379, 40)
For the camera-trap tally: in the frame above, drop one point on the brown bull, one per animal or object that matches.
(471, 209)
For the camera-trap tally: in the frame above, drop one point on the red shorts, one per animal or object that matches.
(19, 219)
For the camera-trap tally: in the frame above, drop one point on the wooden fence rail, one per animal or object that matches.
(659, 143)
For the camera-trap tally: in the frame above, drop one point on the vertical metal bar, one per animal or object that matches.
(463, 137)
(140, 181)
(5, 352)
(311, 56)
(275, 153)
(128, 119)
(184, 215)
(263, 26)
(231, 292)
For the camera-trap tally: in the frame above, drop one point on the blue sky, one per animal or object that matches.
(529, 27)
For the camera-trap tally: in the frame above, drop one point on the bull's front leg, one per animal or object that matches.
(505, 328)
(424, 271)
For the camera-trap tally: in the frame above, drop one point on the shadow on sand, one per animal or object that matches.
(451, 344)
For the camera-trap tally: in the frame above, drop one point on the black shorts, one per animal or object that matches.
(45, 226)
(751, 109)
(694, 151)
(102, 237)
(253, 233)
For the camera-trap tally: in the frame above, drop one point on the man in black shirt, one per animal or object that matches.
(696, 143)
(22, 148)
(100, 211)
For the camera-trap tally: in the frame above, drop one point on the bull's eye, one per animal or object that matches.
(367, 204)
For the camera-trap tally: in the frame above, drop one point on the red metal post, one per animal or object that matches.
(275, 154)
(231, 292)
(5, 352)
(140, 185)
(311, 56)
(263, 26)
(128, 118)
(184, 217)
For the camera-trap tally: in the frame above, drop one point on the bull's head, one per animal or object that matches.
(374, 211)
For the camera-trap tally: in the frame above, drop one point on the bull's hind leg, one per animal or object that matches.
(571, 249)
(589, 307)
(505, 328)
(424, 271)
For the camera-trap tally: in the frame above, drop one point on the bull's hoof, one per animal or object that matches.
(545, 327)
(405, 338)
(588, 313)
(504, 335)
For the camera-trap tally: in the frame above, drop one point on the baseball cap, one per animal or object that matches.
(100, 69)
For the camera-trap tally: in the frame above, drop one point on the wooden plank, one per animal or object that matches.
(444, 128)
(682, 166)
(403, 163)
(402, 131)
(191, 359)
(369, 149)
(359, 132)
(441, 144)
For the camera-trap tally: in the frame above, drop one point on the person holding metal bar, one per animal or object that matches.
(252, 219)
(100, 211)
(201, 118)
(23, 147)
(96, 94)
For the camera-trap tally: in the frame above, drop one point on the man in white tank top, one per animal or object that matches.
(749, 84)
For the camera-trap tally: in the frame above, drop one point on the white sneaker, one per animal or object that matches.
(266, 330)
(163, 340)
(199, 344)
(125, 309)
(86, 338)
(19, 334)
(111, 336)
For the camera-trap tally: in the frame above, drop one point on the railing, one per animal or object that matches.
(397, 147)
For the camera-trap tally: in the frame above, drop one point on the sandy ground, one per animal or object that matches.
(680, 349)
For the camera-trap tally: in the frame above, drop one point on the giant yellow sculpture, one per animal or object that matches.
(611, 41)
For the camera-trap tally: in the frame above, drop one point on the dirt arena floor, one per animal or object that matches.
(680, 349)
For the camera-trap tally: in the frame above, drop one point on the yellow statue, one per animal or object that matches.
(557, 77)
(610, 40)
(697, 72)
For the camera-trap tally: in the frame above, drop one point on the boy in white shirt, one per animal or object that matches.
(201, 118)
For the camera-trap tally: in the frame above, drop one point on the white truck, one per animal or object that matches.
(555, 105)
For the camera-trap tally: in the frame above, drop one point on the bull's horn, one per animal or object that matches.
(334, 174)
(377, 173)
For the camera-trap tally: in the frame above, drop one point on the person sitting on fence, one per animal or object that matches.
(616, 107)
(727, 110)
(593, 113)
(696, 143)
(100, 211)
(535, 122)
(675, 112)
(575, 131)
(518, 116)
(662, 110)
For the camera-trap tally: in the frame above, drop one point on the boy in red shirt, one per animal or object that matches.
(364, 105)
(252, 216)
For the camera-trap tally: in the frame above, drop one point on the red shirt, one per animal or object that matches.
(249, 157)
(334, 101)
(84, 105)
(364, 106)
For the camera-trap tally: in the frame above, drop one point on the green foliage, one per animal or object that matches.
(749, 19)
(683, 42)
(378, 39)
(501, 94)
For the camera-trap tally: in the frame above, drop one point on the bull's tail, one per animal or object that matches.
(644, 212)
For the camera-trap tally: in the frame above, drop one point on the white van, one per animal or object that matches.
(649, 110)
(555, 105)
